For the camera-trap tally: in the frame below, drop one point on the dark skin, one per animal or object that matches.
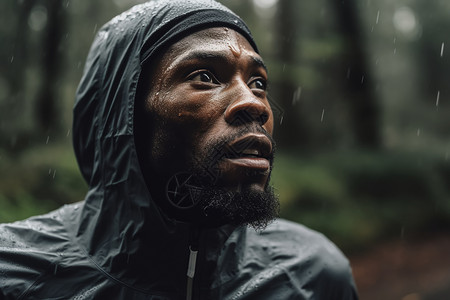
(208, 87)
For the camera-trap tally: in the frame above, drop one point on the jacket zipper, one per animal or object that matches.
(193, 251)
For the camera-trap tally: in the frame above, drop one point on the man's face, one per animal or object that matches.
(209, 113)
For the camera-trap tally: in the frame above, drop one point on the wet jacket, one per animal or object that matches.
(117, 244)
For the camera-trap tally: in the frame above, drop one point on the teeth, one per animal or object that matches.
(250, 152)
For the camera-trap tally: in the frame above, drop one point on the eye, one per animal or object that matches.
(203, 76)
(259, 84)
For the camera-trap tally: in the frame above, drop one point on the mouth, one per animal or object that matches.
(252, 151)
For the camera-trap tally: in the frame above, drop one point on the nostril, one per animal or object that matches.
(242, 117)
(264, 117)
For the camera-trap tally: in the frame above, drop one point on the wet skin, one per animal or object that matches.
(209, 87)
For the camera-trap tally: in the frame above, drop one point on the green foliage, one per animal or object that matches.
(38, 181)
(359, 198)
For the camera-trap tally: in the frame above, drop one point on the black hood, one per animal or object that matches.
(119, 223)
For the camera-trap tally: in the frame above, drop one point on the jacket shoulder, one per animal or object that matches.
(29, 249)
(292, 260)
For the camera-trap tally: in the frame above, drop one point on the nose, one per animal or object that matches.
(247, 108)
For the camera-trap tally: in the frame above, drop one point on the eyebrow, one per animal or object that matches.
(220, 56)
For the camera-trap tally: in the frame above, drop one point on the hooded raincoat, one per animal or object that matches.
(117, 244)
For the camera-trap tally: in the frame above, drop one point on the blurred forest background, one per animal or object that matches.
(361, 95)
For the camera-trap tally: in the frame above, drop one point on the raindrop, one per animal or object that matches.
(418, 131)
(321, 117)
(68, 133)
(362, 79)
(54, 174)
(281, 120)
(12, 59)
(56, 269)
(442, 49)
(395, 51)
(48, 138)
(437, 98)
(296, 95)
(378, 17)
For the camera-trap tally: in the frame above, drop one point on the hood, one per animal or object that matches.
(119, 225)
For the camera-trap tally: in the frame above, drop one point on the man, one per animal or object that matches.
(172, 131)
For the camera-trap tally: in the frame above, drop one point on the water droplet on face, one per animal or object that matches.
(236, 52)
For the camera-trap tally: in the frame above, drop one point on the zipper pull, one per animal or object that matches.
(191, 272)
(192, 262)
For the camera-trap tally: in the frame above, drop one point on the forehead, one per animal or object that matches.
(218, 39)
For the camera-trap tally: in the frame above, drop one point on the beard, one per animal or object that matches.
(219, 206)
(254, 208)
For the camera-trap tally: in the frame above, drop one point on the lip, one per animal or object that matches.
(254, 163)
(257, 144)
(251, 151)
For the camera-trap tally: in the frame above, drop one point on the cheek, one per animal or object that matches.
(190, 110)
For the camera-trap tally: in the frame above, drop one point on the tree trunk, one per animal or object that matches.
(47, 99)
(365, 112)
